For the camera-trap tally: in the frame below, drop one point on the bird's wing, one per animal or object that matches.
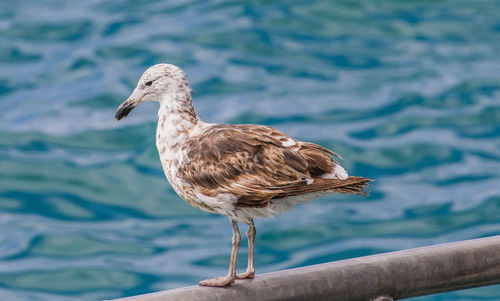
(254, 163)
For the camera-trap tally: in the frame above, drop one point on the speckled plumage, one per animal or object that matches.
(242, 171)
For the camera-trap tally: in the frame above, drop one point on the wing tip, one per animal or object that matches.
(356, 185)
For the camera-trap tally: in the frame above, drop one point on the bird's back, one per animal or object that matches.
(238, 167)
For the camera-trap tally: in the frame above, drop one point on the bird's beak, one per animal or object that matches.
(128, 105)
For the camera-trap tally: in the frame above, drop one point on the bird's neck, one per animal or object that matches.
(176, 119)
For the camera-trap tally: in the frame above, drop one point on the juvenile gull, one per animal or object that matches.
(243, 171)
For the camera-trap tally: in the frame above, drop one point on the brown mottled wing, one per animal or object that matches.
(250, 162)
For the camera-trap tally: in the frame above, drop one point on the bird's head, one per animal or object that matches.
(157, 83)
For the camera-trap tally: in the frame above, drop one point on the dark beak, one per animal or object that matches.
(128, 105)
(125, 108)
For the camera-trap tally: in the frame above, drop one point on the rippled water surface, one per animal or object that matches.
(406, 91)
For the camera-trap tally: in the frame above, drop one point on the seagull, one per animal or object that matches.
(243, 171)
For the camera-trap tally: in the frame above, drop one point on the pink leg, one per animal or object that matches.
(250, 272)
(231, 274)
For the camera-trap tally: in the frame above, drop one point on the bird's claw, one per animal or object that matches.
(219, 281)
(246, 275)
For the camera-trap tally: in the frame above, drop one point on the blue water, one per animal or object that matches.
(408, 92)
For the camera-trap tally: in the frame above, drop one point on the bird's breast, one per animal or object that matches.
(172, 140)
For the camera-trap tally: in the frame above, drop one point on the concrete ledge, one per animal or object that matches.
(397, 275)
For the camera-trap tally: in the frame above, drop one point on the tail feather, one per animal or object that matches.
(351, 185)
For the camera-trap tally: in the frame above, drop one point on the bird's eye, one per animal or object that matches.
(149, 83)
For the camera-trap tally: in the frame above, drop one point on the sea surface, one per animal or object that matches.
(408, 92)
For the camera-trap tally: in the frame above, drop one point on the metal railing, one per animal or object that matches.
(387, 276)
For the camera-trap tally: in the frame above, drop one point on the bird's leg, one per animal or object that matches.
(250, 272)
(231, 274)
